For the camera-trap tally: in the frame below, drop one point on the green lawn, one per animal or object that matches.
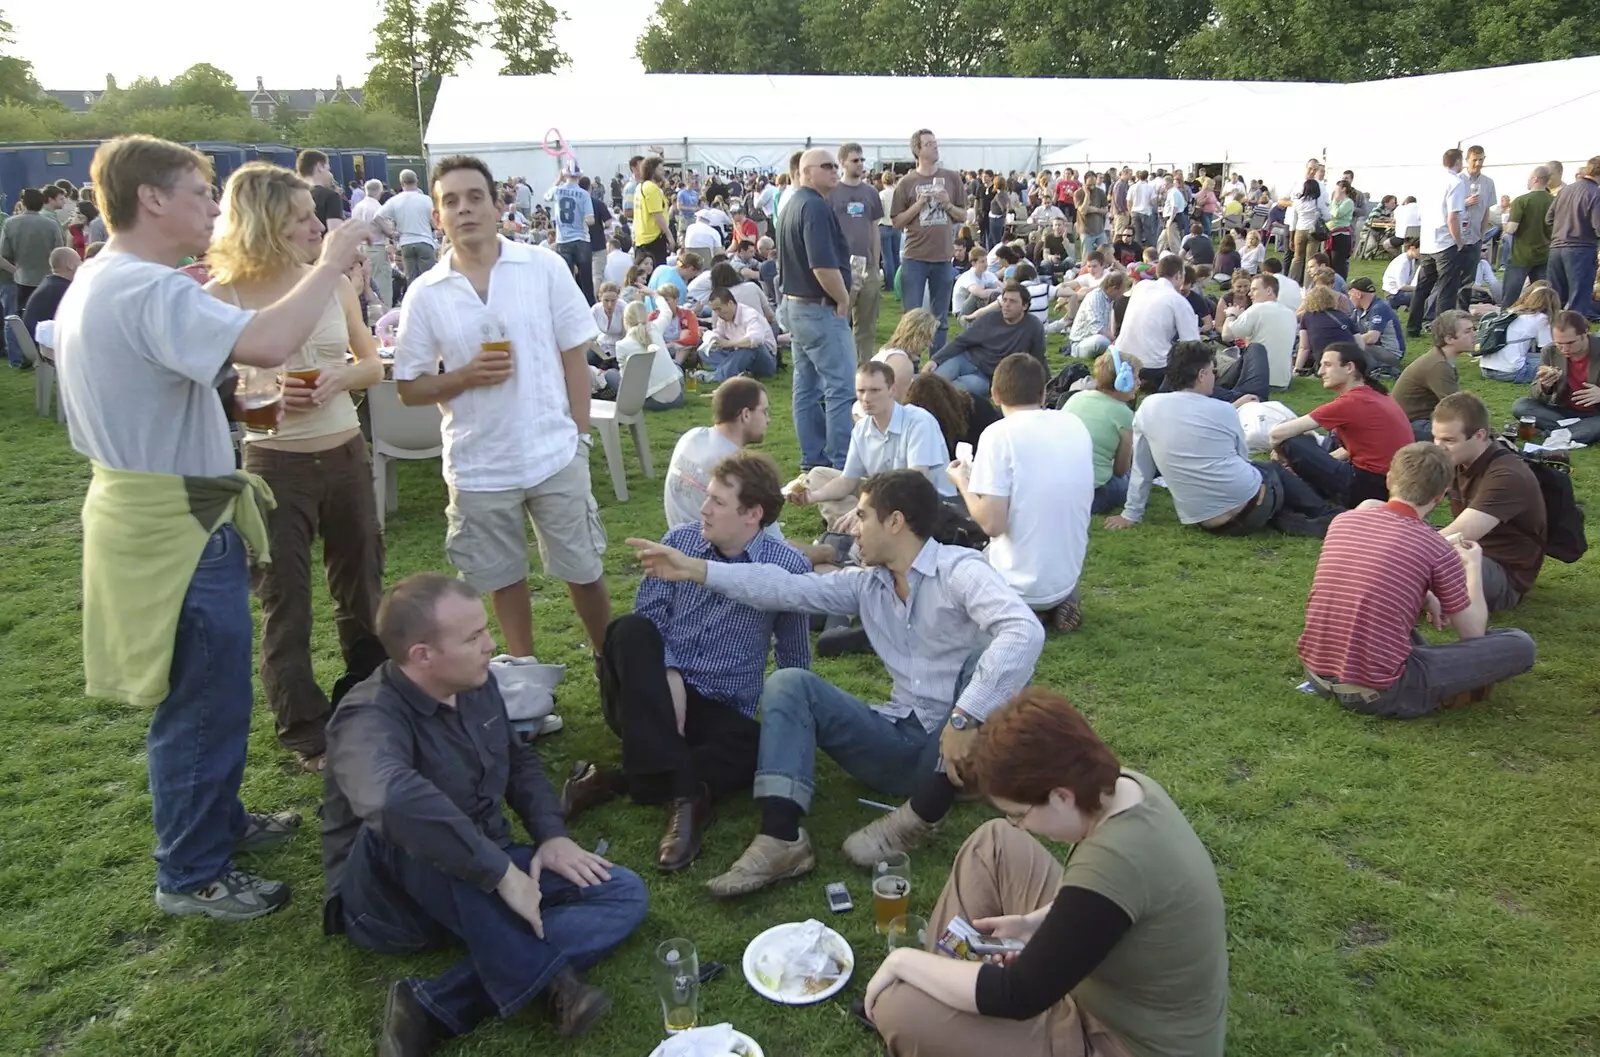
(1420, 888)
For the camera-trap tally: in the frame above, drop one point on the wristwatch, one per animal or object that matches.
(961, 721)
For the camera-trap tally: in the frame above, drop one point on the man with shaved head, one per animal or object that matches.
(814, 275)
(64, 261)
(1527, 227)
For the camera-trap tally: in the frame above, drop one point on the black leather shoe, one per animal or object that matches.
(836, 642)
(407, 1027)
(686, 825)
(589, 786)
(574, 1004)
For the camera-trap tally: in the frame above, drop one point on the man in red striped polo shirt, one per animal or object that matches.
(1377, 566)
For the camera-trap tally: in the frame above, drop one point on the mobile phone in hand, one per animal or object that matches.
(987, 945)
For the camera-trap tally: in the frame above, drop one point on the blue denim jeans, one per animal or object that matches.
(394, 904)
(195, 748)
(961, 372)
(889, 243)
(940, 279)
(8, 307)
(802, 712)
(1517, 276)
(728, 363)
(1572, 277)
(1335, 480)
(1091, 242)
(1522, 376)
(824, 382)
(1110, 496)
(1090, 347)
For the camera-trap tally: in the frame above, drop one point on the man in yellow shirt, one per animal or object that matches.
(652, 231)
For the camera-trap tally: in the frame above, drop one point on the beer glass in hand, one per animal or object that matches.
(260, 398)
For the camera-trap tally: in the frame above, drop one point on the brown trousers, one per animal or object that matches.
(1001, 869)
(326, 493)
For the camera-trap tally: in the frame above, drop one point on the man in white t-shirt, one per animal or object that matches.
(739, 416)
(1290, 293)
(1442, 273)
(889, 436)
(141, 349)
(377, 252)
(1269, 324)
(516, 423)
(408, 219)
(1030, 490)
(977, 286)
(702, 236)
(1400, 276)
(1141, 203)
(1157, 316)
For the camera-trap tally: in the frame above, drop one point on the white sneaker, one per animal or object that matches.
(549, 725)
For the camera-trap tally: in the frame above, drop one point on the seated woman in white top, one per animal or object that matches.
(1518, 359)
(1254, 253)
(608, 317)
(665, 390)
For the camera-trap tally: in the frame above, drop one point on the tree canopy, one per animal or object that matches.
(1299, 40)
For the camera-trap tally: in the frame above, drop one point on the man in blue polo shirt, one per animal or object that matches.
(1378, 326)
(688, 203)
(574, 214)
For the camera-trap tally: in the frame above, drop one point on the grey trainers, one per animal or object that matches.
(767, 861)
(264, 831)
(899, 830)
(235, 896)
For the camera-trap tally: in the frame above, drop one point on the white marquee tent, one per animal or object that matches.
(1391, 133)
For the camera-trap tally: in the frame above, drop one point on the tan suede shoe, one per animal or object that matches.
(899, 830)
(767, 861)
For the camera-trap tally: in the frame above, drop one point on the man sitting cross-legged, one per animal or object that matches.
(1200, 450)
(969, 361)
(416, 852)
(684, 669)
(957, 643)
(1029, 488)
(1378, 567)
(1496, 500)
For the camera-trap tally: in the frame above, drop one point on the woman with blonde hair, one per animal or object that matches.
(1321, 324)
(316, 461)
(1517, 360)
(1254, 254)
(1107, 412)
(665, 390)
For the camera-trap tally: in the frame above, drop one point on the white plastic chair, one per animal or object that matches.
(628, 410)
(398, 432)
(44, 370)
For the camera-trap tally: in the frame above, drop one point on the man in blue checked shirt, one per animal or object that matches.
(683, 673)
(955, 638)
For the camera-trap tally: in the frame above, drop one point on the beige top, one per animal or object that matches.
(326, 347)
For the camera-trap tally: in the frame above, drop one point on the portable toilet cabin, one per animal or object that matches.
(34, 164)
(275, 153)
(225, 157)
(375, 165)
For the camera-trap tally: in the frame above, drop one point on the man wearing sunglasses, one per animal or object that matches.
(1567, 383)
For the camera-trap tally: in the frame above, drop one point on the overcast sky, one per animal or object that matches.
(291, 43)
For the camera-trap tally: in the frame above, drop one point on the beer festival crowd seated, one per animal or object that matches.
(959, 476)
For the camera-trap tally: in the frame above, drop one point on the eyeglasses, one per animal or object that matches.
(829, 165)
(1020, 817)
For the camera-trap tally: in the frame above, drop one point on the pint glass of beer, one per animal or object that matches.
(891, 889)
(260, 396)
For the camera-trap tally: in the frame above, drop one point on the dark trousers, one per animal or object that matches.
(656, 249)
(580, 255)
(1572, 270)
(1516, 276)
(1439, 273)
(1286, 503)
(1339, 251)
(395, 904)
(1333, 479)
(327, 494)
(717, 747)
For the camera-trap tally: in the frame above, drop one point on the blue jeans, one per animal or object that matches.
(8, 307)
(1516, 276)
(940, 280)
(1205, 224)
(961, 372)
(195, 747)
(394, 904)
(1522, 376)
(1110, 496)
(1335, 480)
(889, 243)
(728, 363)
(824, 382)
(1090, 347)
(802, 712)
(1572, 277)
(1090, 242)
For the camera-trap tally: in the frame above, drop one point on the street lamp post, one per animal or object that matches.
(417, 74)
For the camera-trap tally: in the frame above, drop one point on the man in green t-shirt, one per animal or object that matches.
(1528, 228)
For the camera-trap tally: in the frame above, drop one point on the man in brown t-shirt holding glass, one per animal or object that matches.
(1495, 498)
(928, 202)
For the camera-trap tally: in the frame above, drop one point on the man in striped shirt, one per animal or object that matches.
(1382, 564)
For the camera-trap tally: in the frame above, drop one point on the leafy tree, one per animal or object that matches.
(523, 32)
(441, 36)
(17, 83)
(343, 125)
(727, 36)
(206, 86)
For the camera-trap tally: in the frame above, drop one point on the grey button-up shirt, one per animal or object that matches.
(955, 601)
(431, 779)
(1473, 220)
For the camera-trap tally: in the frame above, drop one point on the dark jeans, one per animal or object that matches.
(1435, 673)
(1572, 270)
(1254, 377)
(1111, 495)
(656, 249)
(580, 255)
(1516, 276)
(889, 242)
(995, 230)
(717, 747)
(940, 279)
(395, 904)
(195, 748)
(8, 307)
(327, 494)
(1340, 253)
(1442, 270)
(1286, 503)
(1335, 480)
(416, 258)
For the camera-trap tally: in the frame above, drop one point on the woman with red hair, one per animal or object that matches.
(1124, 948)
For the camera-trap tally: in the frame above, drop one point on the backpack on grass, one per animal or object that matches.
(1059, 388)
(1565, 540)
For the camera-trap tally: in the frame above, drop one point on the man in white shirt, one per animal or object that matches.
(377, 252)
(1408, 219)
(1269, 324)
(740, 341)
(1157, 316)
(1045, 212)
(618, 260)
(1443, 234)
(702, 236)
(977, 286)
(889, 436)
(408, 218)
(1481, 198)
(1290, 293)
(1030, 489)
(739, 416)
(1141, 203)
(1400, 277)
(515, 396)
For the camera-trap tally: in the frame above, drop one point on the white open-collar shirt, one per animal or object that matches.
(519, 433)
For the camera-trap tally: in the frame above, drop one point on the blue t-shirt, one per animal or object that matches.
(809, 237)
(602, 213)
(688, 200)
(573, 205)
(1326, 327)
(1381, 317)
(666, 273)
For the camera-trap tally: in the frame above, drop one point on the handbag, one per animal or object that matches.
(527, 686)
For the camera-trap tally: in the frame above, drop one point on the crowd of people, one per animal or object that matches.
(957, 479)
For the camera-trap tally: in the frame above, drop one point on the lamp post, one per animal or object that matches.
(417, 74)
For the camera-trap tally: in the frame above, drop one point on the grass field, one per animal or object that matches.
(1422, 888)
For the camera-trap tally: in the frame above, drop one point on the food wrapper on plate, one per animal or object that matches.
(716, 1040)
(800, 962)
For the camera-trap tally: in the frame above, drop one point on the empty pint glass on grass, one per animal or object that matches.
(678, 984)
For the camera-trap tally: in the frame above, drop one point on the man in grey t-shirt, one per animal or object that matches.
(26, 242)
(1481, 194)
(859, 207)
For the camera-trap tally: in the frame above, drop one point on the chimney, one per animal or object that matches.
(338, 82)
(261, 84)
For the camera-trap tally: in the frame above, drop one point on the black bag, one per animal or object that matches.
(1492, 331)
(956, 529)
(1319, 231)
(1565, 540)
(1059, 388)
